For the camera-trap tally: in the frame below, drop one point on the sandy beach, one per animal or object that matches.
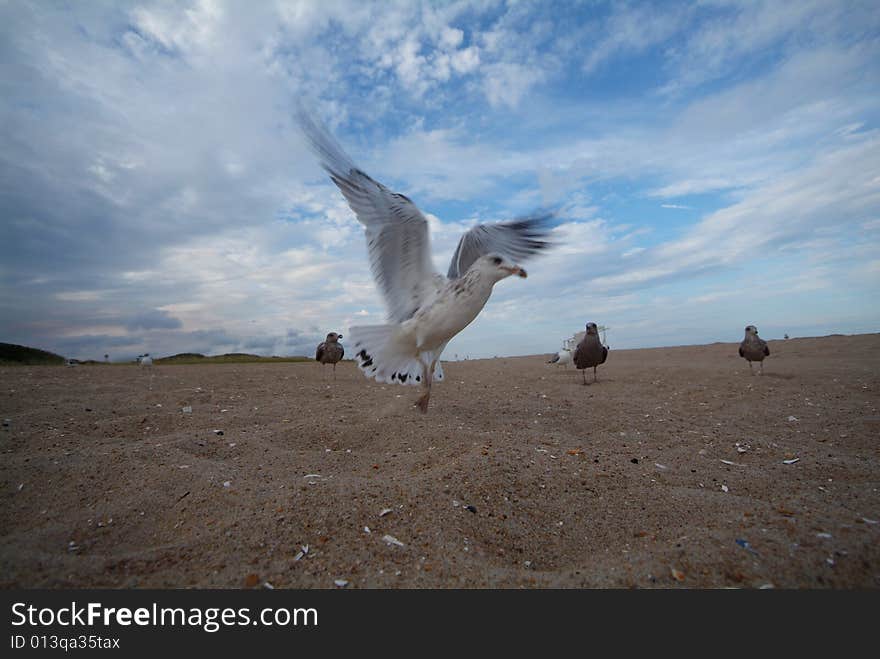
(677, 469)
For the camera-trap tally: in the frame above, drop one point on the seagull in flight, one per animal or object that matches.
(424, 308)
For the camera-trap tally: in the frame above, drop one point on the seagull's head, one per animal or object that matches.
(751, 329)
(498, 267)
(333, 336)
(592, 328)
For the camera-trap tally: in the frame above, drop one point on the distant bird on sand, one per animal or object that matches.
(754, 349)
(425, 309)
(330, 351)
(146, 360)
(562, 358)
(590, 352)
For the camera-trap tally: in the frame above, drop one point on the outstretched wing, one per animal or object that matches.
(396, 231)
(516, 240)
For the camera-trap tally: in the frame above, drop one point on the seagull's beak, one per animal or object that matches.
(339, 336)
(516, 270)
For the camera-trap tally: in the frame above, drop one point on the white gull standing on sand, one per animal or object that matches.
(425, 309)
(561, 358)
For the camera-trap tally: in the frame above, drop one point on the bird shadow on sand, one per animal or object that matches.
(778, 376)
(590, 382)
(404, 405)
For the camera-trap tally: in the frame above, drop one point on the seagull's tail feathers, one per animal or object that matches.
(387, 354)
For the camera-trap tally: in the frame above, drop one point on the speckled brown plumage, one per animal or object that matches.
(330, 351)
(754, 349)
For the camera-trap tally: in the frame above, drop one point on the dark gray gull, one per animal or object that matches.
(330, 351)
(590, 352)
(753, 348)
(425, 309)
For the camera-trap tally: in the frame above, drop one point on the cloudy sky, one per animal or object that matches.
(715, 164)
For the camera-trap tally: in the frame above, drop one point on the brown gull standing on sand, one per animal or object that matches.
(330, 351)
(590, 352)
(425, 309)
(754, 349)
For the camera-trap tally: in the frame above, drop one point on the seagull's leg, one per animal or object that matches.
(761, 371)
(595, 377)
(584, 374)
(334, 371)
(751, 371)
(427, 374)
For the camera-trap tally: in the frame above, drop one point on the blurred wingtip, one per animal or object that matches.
(321, 141)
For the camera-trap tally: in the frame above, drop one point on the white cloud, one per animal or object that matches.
(443, 164)
(837, 188)
(80, 296)
(505, 83)
(451, 38)
(693, 186)
(731, 35)
(178, 29)
(631, 30)
(465, 60)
